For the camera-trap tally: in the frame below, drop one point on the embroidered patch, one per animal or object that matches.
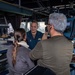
(39, 38)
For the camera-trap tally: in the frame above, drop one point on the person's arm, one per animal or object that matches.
(8, 59)
(37, 52)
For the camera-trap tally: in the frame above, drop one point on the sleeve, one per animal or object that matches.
(37, 52)
(9, 59)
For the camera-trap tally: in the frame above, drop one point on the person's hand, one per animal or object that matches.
(45, 36)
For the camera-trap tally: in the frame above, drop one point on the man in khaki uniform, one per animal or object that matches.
(54, 53)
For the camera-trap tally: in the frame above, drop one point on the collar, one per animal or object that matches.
(23, 43)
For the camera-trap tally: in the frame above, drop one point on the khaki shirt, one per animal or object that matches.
(54, 53)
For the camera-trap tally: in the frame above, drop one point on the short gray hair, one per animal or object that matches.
(59, 21)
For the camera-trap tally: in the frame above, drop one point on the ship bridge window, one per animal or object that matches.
(41, 26)
(26, 26)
